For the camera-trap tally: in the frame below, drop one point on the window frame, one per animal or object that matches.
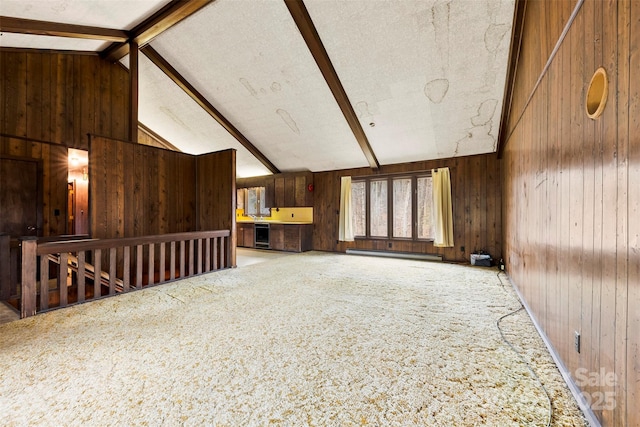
(390, 211)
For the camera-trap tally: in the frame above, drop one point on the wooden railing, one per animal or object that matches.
(90, 269)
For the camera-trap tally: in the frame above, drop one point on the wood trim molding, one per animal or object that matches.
(567, 26)
(45, 28)
(174, 75)
(133, 91)
(308, 30)
(512, 71)
(165, 18)
(169, 146)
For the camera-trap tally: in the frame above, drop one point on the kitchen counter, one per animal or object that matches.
(283, 235)
(268, 221)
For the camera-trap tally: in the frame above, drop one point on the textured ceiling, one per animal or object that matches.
(170, 112)
(429, 74)
(425, 78)
(251, 63)
(116, 14)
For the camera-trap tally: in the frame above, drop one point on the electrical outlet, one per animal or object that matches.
(576, 341)
(461, 248)
(389, 244)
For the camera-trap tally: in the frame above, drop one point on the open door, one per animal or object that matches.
(78, 192)
(20, 197)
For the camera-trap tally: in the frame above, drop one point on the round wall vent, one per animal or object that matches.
(597, 94)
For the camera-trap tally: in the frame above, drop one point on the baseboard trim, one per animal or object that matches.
(402, 255)
(577, 394)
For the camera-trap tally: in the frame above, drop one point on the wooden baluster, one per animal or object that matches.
(5, 267)
(226, 246)
(182, 245)
(126, 276)
(216, 242)
(199, 261)
(162, 269)
(152, 266)
(112, 270)
(97, 273)
(191, 258)
(81, 276)
(28, 290)
(139, 261)
(63, 269)
(207, 254)
(44, 282)
(172, 261)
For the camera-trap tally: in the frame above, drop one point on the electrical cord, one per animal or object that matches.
(546, 392)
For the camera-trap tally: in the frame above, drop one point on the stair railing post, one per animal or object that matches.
(5, 267)
(28, 293)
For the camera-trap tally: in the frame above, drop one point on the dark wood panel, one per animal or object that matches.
(279, 192)
(60, 98)
(52, 215)
(138, 190)
(568, 193)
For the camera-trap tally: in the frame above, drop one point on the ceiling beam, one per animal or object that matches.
(308, 30)
(133, 91)
(162, 20)
(174, 75)
(512, 71)
(44, 28)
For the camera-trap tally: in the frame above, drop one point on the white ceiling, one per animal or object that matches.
(425, 77)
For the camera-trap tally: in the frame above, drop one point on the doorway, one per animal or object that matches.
(20, 196)
(78, 192)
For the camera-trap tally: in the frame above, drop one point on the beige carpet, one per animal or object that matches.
(311, 339)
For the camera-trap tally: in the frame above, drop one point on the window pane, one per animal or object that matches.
(359, 208)
(402, 207)
(252, 201)
(378, 208)
(264, 209)
(425, 205)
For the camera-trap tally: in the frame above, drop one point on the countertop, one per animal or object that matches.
(269, 221)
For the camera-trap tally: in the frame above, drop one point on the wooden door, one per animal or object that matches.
(20, 209)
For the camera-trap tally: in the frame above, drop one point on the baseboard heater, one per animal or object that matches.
(403, 255)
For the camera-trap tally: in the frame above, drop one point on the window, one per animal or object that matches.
(378, 207)
(359, 208)
(425, 201)
(402, 206)
(255, 203)
(396, 207)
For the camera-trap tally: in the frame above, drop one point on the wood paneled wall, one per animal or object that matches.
(216, 191)
(138, 190)
(62, 97)
(216, 194)
(475, 182)
(571, 199)
(54, 179)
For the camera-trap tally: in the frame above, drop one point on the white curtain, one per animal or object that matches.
(442, 207)
(345, 231)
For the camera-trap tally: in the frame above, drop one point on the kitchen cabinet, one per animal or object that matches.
(298, 237)
(285, 190)
(244, 235)
(276, 237)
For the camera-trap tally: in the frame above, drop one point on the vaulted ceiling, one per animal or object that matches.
(291, 85)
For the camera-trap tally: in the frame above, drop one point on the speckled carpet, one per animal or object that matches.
(311, 339)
